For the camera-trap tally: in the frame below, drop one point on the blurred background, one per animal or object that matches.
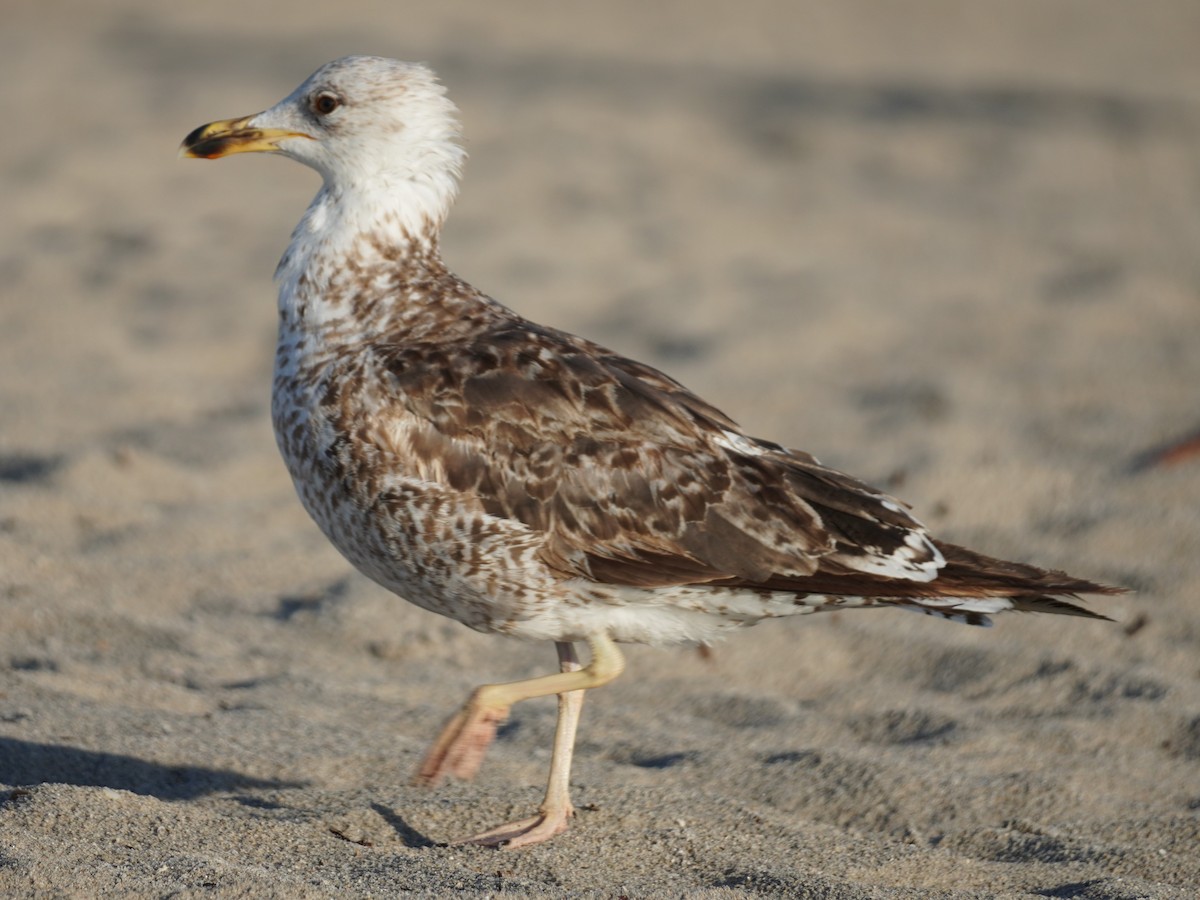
(947, 245)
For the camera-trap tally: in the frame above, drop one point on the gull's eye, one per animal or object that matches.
(325, 102)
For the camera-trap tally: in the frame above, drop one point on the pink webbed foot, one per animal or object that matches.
(460, 748)
(526, 832)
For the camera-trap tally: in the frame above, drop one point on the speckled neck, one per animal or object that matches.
(352, 260)
(373, 274)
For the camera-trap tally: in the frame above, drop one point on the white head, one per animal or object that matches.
(378, 130)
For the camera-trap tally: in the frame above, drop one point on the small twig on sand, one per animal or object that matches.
(1169, 454)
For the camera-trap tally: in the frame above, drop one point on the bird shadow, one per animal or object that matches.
(29, 762)
(1075, 889)
(408, 835)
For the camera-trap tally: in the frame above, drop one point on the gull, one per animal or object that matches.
(528, 482)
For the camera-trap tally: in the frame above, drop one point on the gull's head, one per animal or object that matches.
(369, 125)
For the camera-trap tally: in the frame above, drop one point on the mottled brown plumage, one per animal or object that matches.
(526, 481)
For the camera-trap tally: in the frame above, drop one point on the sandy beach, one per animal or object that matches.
(949, 247)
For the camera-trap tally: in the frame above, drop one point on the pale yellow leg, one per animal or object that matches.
(460, 748)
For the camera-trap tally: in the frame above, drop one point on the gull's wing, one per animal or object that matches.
(628, 477)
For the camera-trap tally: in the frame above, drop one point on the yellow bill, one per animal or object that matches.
(229, 136)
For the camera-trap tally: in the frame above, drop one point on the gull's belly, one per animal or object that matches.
(421, 540)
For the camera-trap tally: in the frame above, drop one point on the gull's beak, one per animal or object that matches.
(229, 136)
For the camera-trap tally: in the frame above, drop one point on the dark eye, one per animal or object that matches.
(325, 102)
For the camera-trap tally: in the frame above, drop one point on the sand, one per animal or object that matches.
(947, 246)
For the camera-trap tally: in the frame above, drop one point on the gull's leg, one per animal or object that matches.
(460, 748)
(556, 810)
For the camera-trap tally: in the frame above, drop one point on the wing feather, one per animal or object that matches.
(630, 478)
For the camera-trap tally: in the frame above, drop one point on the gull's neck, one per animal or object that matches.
(355, 244)
(367, 266)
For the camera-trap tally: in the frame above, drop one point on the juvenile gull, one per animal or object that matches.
(528, 482)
